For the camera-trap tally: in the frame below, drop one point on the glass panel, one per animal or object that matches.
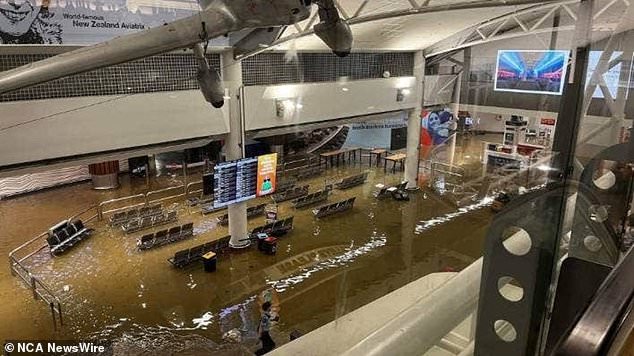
(255, 181)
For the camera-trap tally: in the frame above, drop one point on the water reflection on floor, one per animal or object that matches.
(323, 269)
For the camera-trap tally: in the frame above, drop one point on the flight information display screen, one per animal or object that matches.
(244, 179)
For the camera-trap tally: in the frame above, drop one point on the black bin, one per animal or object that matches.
(261, 237)
(209, 261)
(269, 245)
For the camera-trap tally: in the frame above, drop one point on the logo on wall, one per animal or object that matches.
(83, 22)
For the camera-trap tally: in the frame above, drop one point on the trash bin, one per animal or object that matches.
(209, 261)
(261, 237)
(269, 245)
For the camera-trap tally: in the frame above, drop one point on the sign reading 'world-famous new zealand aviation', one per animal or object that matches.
(84, 22)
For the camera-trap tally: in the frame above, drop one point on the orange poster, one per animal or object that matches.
(267, 169)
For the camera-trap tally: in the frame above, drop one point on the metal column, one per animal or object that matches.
(234, 147)
(413, 124)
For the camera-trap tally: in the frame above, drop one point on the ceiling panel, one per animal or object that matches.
(403, 33)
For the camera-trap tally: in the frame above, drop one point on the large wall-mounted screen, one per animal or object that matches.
(528, 71)
(244, 179)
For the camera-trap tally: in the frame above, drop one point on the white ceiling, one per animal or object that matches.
(405, 33)
(419, 31)
(401, 33)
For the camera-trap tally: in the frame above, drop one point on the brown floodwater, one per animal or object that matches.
(323, 269)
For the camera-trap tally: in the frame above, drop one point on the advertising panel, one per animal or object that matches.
(85, 22)
(267, 169)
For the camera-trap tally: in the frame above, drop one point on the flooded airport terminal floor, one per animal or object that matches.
(323, 269)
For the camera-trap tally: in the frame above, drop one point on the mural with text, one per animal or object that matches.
(84, 22)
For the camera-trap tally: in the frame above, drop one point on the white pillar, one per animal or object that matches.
(413, 124)
(232, 78)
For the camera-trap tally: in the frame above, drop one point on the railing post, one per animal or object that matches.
(52, 305)
(59, 311)
(147, 176)
(33, 286)
(11, 265)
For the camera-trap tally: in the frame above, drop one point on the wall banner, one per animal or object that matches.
(84, 22)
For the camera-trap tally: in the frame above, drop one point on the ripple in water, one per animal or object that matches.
(342, 260)
(426, 225)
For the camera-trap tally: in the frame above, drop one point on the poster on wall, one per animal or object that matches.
(531, 71)
(267, 169)
(546, 131)
(84, 22)
(435, 129)
(435, 126)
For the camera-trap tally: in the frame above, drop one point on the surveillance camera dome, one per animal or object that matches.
(218, 104)
(341, 53)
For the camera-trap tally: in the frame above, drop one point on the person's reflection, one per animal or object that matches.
(22, 22)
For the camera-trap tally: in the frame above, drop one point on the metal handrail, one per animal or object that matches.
(155, 192)
(40, 289)
(19, 269)
(596, 329)
(100, 210)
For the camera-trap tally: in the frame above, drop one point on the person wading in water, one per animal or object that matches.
(265, 326)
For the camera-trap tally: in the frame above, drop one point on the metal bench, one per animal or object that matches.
(167, 236)
(290, 194)
(252, 212)
(352, 181)
(65, 235)
(334, 208)
(277, 228)
(143, 223)
(188, 256)
(312, 198)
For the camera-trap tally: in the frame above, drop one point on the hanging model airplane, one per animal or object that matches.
(216, 18)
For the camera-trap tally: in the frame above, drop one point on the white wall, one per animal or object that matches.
(326, 101)
(57, 128)
(71, 126)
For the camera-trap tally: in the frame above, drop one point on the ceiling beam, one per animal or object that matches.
(409, 12)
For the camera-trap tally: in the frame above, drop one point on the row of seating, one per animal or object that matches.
(65, 235)
(397, 192)
(252, 211)
(188, 256)
(167, 236)
(203, 199)
(290, 194)
(334, 208)
(123, 217)
(209, 208)
(285, 185)
(277, 228)
(147, 222)
(305, 172)
(311, 198)
(352, 181)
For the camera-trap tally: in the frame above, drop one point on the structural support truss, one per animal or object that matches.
(532, 20)
(363, 15)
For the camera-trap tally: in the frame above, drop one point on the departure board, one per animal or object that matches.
(235, 181)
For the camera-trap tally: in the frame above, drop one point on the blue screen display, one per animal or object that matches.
(539, 72)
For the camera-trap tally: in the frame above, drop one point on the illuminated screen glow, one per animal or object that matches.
(531, 71)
